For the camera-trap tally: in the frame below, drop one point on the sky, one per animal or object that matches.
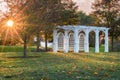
(2, 6)
(84, 5)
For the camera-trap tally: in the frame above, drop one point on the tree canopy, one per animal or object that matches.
(36, 17)
(108, 13)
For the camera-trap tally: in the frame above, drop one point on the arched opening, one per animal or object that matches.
(81, 41)
(71, 42)
(102, 41)
(92, 41)
(60, 41)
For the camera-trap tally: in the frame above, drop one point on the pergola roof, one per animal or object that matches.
(71, 27)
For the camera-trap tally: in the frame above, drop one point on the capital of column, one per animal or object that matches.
(76, 30)
(87, 31)
(66, 32)
(55, 32)
(97, 31)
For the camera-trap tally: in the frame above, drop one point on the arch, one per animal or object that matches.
(102, 40)
(60, 41)
(102, 37)
(71, 42)
(81, 41)
(92, 40)
(81, 31)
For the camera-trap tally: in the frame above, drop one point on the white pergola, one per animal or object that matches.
(76, 38)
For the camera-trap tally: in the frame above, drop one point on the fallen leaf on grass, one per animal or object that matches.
(106, 74)
(111, 69)
(44, 79)
(95, 73)
(87, 77)
(78, 77)
(69, 73)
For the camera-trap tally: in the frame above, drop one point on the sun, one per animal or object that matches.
(10, 23)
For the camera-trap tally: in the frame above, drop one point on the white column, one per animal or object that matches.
(106, 41)
(97, 41)
(76, 41)
(66, 41)
(86, 43)
(55, 41)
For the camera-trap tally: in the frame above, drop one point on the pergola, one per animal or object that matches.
(76, 38)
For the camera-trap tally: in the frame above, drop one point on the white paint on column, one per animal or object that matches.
(106, 41)
(97, 41)
(86, 40)
(66, 41)
(76, 43)
(55, 41)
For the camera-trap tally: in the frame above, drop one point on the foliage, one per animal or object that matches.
(38, 17)
(9, 36)
(46, 14)
(86, 19)
(16, 13)
(69, 16)
(52, 66)
(108, 12)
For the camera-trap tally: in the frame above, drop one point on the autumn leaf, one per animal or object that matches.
(78, 77)
(44, 79)
(111, 69)
(69, 73)
(106, 74)
(95, 73)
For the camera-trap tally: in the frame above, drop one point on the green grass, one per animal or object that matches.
(15, 48)
(92, 49)
(59, 66)
(20, 48)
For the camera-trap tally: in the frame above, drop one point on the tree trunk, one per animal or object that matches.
(25, 47)
(112, 39)
(46, 41)
(112, 43)
(38, 42)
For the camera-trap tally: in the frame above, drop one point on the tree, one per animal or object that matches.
(50, 13)
(69, 15)
(42, 15)
(108, 12)
(16, 12)
(39, 11)
(86, 19)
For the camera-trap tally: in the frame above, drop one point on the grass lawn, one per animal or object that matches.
(92, 49)
(29, 48)
(15, 48)
(59, 66)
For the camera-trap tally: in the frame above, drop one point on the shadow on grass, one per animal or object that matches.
(20, 55)
(24, 57)
(110, 57)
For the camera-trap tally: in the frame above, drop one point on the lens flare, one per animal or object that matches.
(10, 23)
